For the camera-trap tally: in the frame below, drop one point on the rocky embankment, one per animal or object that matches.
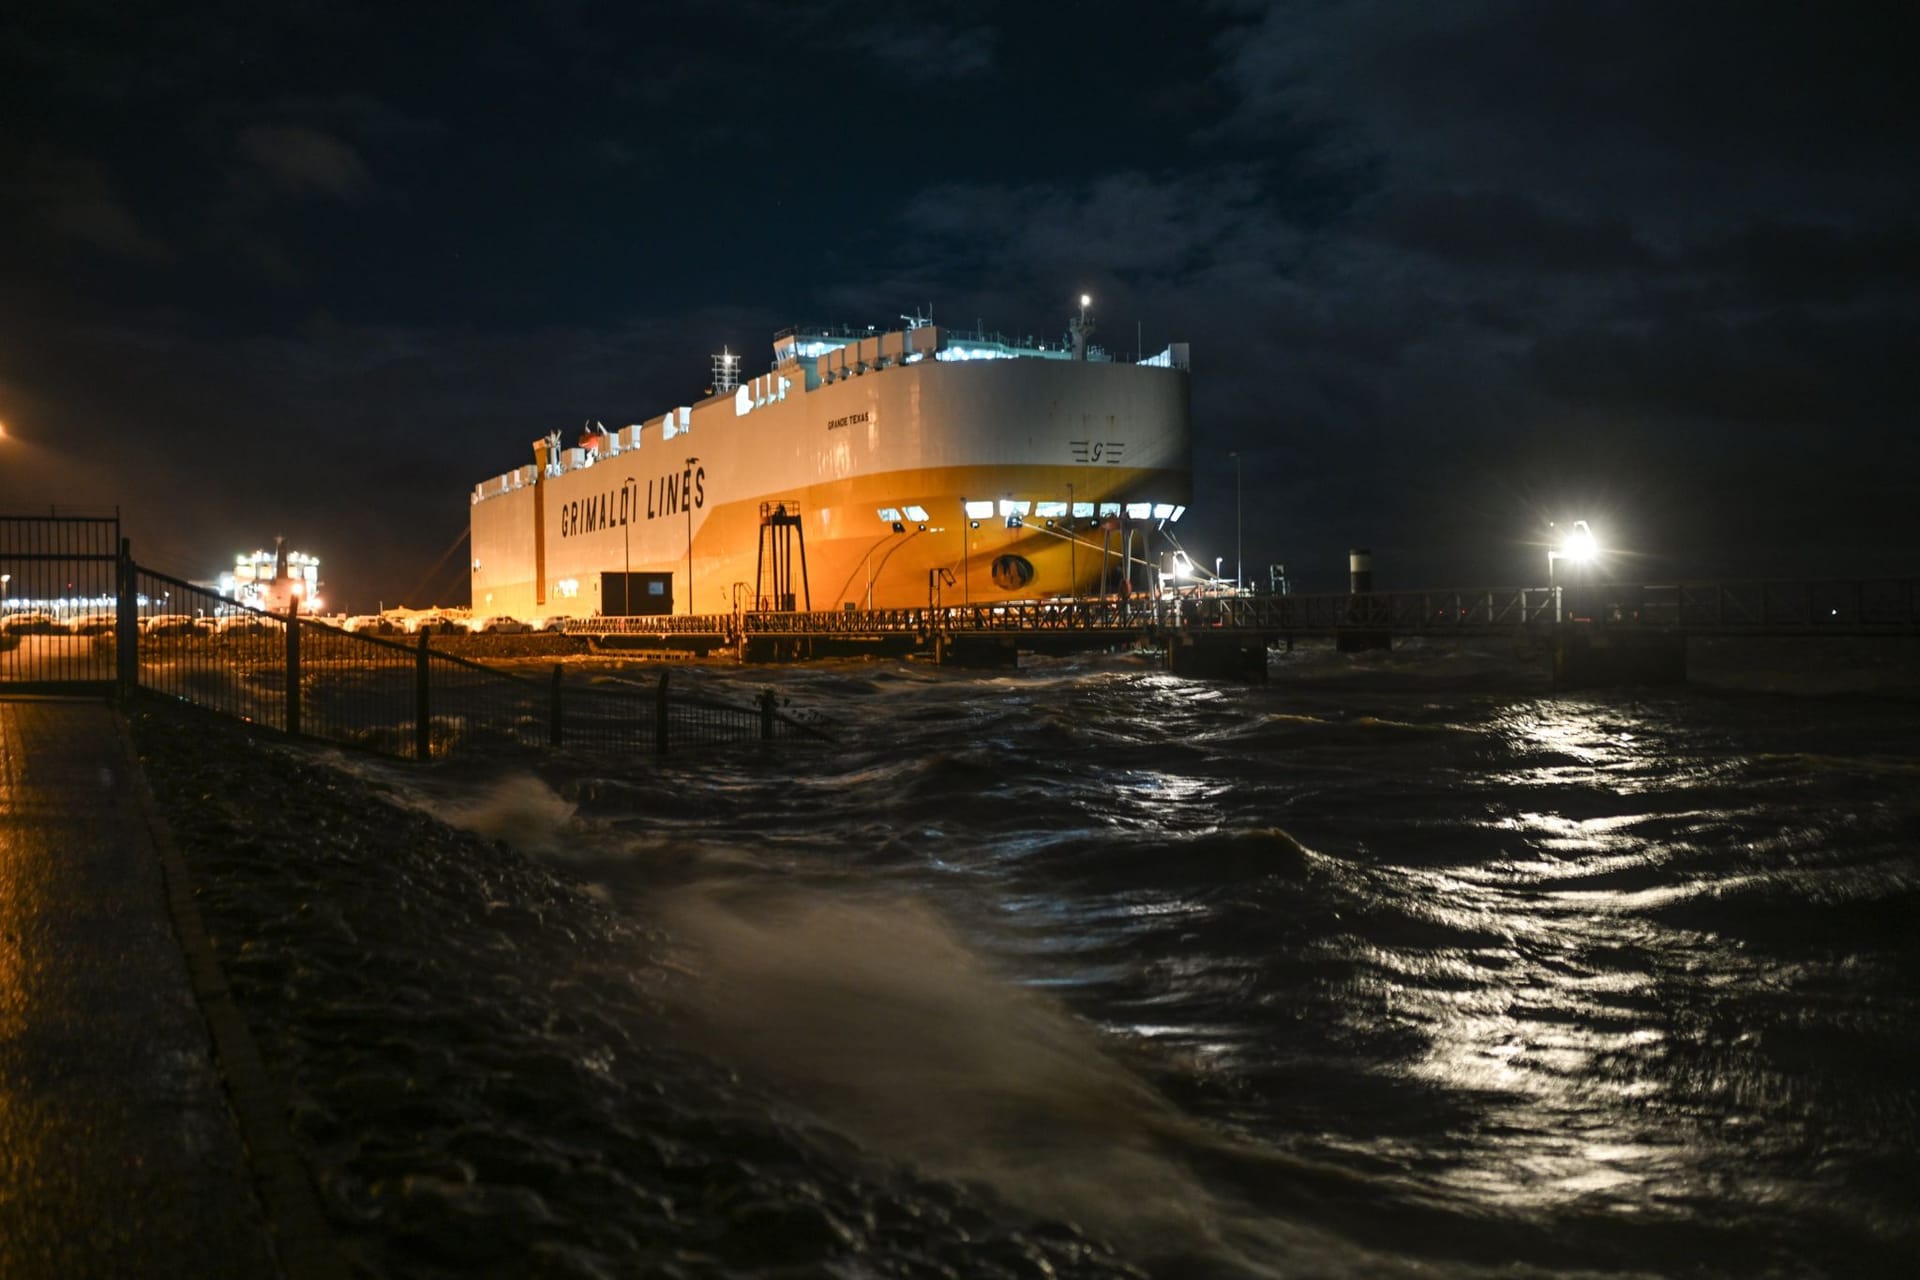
(478, 1062)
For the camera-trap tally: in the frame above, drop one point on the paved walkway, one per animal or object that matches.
(119, 1151)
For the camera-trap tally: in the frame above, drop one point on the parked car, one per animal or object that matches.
(441, 624)
(169, 624)
(92, 624)
(244, 624)
(32, 624)
(372, 624)
(502, 625)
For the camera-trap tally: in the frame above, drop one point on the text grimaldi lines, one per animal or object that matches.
(667, 495)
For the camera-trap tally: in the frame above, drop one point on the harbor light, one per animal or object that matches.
(1579, 545)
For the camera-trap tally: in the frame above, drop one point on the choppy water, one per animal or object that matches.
(1398, 965)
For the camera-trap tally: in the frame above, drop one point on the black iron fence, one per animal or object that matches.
(401, 698)
(77, 612)
(59, 588)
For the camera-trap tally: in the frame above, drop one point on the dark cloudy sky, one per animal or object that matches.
(1450, 270)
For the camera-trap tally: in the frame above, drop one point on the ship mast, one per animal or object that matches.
(1081, 327)
(726, 372)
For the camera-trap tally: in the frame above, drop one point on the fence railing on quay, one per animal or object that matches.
(308, 678)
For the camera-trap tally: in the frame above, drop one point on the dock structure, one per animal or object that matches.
(1596, 635)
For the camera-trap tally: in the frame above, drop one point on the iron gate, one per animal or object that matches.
(59, 588)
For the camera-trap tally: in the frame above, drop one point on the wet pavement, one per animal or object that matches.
(119, 1152)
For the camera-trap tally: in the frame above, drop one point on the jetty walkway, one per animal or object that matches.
(139, 1134)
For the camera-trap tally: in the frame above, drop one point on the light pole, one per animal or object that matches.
(1073, 540)
(686, 500)
(1577, 546)
(1236, 521)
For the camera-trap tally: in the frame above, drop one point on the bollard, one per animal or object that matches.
(1361, 628)
(766, 715)
(1360, 571)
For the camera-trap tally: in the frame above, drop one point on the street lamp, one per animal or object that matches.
(1073, 541)
(1236, 521)
(1576, 546)
(686, 500)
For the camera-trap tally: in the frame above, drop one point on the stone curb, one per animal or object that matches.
(302, 1241)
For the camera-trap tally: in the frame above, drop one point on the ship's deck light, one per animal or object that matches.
(1139, 510)
(1163, 511)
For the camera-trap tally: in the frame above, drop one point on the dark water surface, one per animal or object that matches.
(1402, 965)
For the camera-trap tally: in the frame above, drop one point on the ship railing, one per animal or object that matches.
(646, 625)
(313, 680)
(1112, 614)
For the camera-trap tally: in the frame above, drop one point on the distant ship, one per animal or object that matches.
(869, 470)
(279, 581)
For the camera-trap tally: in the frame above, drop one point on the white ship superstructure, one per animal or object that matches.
(869, 469)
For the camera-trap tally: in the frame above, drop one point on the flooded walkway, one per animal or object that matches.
(119, 1148)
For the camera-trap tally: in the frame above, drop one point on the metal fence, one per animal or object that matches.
(401, 698)
(58, 588)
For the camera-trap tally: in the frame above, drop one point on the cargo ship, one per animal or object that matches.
(864, 470)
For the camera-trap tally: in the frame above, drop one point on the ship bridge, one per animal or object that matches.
(827, 353)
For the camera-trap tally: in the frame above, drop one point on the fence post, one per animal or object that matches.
(766, 715)
(660, 716)
(126, 625)
(422, 704)
(293, 672)
(554, 713)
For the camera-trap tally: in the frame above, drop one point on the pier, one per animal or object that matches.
(1594, 633)
(1620, 633)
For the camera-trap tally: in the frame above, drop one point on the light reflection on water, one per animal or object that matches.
(1580, 964)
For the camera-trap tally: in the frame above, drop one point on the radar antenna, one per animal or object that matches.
(726, 372)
